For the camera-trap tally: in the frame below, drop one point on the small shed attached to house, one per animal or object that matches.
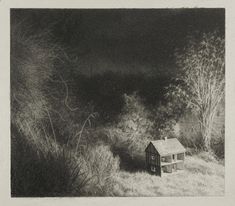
(165, 155)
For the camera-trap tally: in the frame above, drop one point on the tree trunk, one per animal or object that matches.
(207, 138)
(206, 131)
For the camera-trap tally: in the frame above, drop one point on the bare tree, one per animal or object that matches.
(201, 81)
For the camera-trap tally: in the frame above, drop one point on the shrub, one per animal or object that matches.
(217, 144)
(165, 118)
(43, 159)
(44, 169)
(103, 167)
(131, 134)
(135, 118)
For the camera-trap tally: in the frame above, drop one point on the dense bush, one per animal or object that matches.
(165, 117)
(32, 63)
(103, 167)
(131, 134)
(201, 80)
(190, 135)
(49, 127)
(41, 167)
(218, 145)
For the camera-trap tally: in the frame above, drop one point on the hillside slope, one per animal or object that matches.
(201, 177)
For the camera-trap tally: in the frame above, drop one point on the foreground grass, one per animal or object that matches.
(201, 177)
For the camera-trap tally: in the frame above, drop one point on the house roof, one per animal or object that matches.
(168, 146)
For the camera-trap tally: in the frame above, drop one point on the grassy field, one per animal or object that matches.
(201, 177)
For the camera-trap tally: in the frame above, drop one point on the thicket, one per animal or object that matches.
(201, 81)
(50, 154)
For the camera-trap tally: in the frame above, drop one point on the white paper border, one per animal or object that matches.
(5, 198)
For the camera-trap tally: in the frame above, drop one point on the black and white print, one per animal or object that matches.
(117, 102)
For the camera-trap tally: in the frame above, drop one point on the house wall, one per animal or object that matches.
(156, 162)
(166, 158)
(157, 169)
(180, 165)
(167, 168)
(180, 156)
(151, 151)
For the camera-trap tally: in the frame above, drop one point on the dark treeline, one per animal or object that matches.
(105, 91)
(122, 40)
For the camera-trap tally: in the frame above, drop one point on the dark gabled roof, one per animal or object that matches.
(168, 146)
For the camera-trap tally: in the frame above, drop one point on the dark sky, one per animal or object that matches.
(124, 40)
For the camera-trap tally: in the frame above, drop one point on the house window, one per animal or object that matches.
(163, 159)
(153, 168)
(152, 157)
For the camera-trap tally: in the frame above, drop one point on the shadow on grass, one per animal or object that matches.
(127, 162)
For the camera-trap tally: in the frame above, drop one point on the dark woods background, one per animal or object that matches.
(112, 52)
(83, 82)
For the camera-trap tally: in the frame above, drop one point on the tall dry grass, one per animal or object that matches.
(48, 131)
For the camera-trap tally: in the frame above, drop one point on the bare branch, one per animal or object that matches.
(81, 131)
(52, 127)
(67, 96)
